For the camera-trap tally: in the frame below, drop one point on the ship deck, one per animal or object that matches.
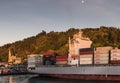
(84, 70)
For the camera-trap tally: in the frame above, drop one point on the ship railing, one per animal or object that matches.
(53, 66)
(78, 65)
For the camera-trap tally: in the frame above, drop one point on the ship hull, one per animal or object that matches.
(83, 77)
(81, 72)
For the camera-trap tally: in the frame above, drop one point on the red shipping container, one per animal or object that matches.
(61, 58)
(85, 53)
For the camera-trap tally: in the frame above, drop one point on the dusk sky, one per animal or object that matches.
(20, 19)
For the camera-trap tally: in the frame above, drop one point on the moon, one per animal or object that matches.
(82, 1)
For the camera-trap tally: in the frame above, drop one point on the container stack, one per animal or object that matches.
(101, 55)
(86, 56)
(31, 61)
(115, 56)
(48, 60)
(38, 60)
(61, 60)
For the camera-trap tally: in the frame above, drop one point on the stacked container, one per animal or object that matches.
(61, 60)
(49, 60)
(35, 60)
(86, 56)
(115, 56)
(38, 60)
(101, 55)
(31, 62)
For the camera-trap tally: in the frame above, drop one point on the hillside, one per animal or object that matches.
(58, 41)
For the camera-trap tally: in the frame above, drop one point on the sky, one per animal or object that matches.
(20, 19)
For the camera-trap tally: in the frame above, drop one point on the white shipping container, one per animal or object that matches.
(85, 59)
(104, 48)
(100, 62)
(85, 62)
(115, 58)
(31, 59)
(84, 56)
(34, 60)
(101, 58)
(115, 54)
(101, 55)
(31, 62)
(101, 52)
(115, 51)
(61, 62)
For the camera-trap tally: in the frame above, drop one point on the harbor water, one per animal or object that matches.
(38, 79)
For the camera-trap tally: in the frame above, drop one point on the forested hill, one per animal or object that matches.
(58, 41)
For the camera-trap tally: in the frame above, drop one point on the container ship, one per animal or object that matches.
(82, 62)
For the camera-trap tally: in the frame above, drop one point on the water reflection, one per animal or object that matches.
(37, 79)
(15, 79)
(50, 80)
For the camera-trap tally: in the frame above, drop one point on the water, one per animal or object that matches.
(37, 79)
(15, 78)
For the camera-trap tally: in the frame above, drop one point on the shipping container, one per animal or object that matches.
(85, 59)
(101, 58)
(86, 49)
(85, 62)
(61, 58)
(34, 60)
(102, 50)
(101, 62)
(101, 55)
(61, 63)
(115, 61)
(39, 61)
(49, 60)
(115, 56)
(31, 62)
(115, 50)
(86, 53)
(108, 48)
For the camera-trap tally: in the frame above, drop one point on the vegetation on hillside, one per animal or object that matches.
(58, 41)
